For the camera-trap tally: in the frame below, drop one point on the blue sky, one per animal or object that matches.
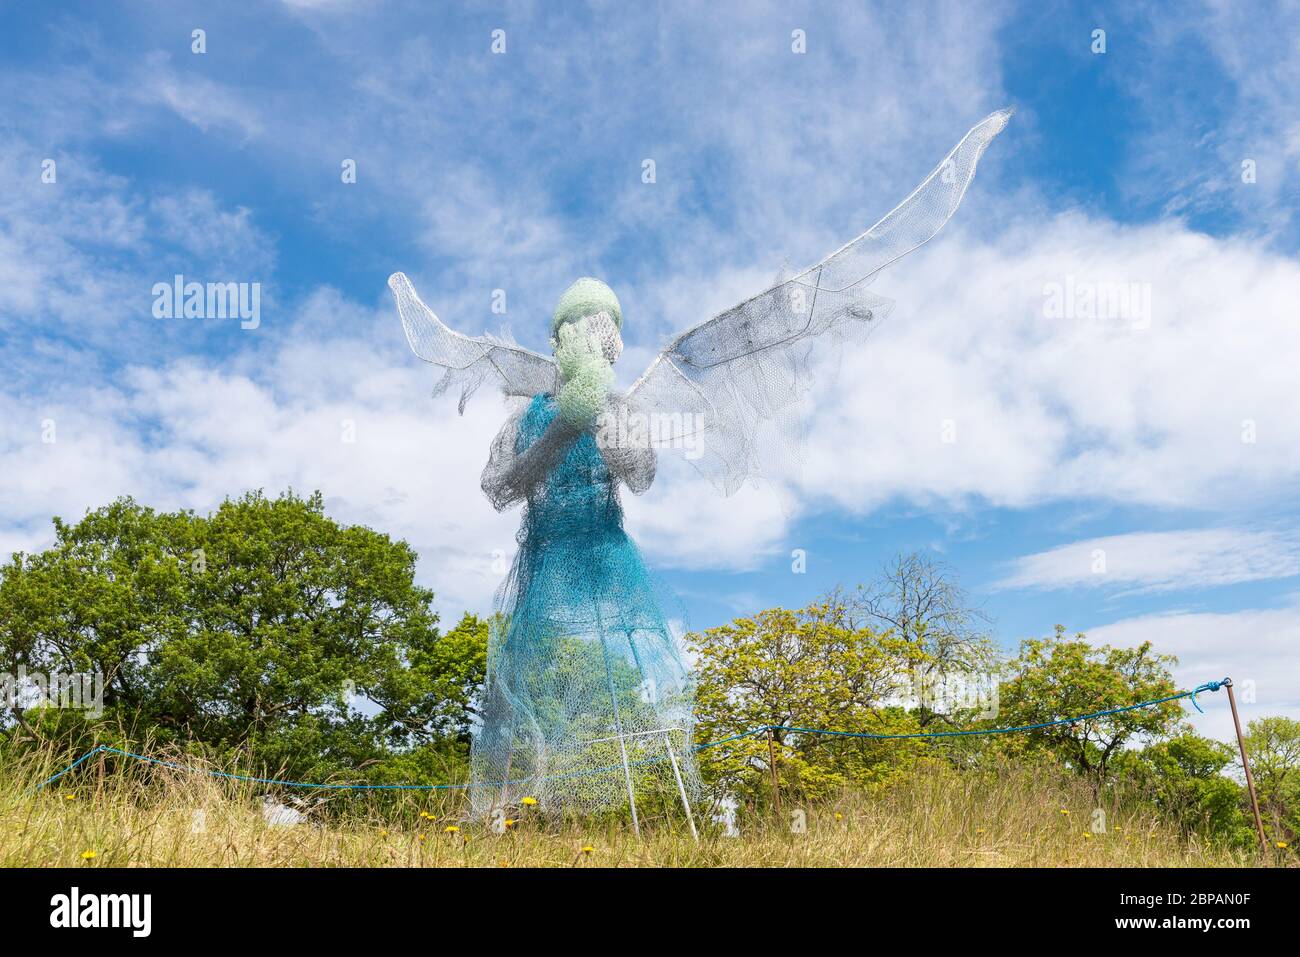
(1165, 437)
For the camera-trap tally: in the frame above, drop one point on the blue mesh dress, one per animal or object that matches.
(586, 685)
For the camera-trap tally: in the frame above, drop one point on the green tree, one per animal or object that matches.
(805, 668)
(96, 602)
(1274, 748)
(1056, 678)
(435, 693)
(1184, 778)
(264, 632)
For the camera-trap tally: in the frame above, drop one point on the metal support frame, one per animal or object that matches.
(622, 746)
(681, 787)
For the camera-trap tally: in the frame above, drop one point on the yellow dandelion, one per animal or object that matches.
(503, 863)
(1065, 811)
(420, 837)
(587, 848)
(88, 855)
(424, 814)
(450, 829)
(979, 830)
(511, 822)
(383, 833)
(529, 801)
(1087, 836)
(1282, 845)
(69, 797)
(839, 816)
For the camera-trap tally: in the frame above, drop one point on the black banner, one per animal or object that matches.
(335, 908)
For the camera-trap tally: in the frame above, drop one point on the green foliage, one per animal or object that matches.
(1057, 677)
(273, 640)
(1274, 748)
(1184, 777)
(826, 667)
(251, 632)
(808, 668)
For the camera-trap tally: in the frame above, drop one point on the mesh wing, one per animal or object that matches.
(727, 390)
(469, 361)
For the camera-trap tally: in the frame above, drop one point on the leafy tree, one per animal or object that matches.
(1274, 748)
(805, 668)
(1184, 778)
(434, 694)
(1057, 678)
(265, 631)
(94, 603)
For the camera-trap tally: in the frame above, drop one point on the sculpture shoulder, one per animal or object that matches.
(535, 417)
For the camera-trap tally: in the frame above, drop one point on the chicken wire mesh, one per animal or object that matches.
(588, 699)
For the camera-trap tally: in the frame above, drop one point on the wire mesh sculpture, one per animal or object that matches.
(588, 701)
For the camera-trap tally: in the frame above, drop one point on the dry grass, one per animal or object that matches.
(141, 816)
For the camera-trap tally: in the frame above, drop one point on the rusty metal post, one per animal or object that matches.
(1245, 763)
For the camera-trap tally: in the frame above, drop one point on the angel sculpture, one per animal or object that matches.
(588, 699)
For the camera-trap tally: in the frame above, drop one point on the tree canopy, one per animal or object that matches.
(265, 631)
(1054, 678)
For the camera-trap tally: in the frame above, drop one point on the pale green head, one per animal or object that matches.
(586, 297)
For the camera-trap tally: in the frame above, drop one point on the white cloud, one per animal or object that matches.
(1189, 406)
(1044, 410)
(188, 433)
(206, 104)
(79, 257)
(1258, 648)
(1188, 559)
(524, 172)
(683, 522)
(1193, 147)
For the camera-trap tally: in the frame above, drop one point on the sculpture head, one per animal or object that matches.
(592, 306)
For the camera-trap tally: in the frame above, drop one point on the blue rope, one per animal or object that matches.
(294, 784)
(1208, 686)
(104, 748)
(70, 767)
(735, 737)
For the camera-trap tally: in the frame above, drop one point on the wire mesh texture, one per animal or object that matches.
(587, 689)
(583, 672)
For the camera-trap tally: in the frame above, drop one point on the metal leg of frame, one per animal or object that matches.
(681, 787)
(622, 745)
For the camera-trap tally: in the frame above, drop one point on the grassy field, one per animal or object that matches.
(145, 816)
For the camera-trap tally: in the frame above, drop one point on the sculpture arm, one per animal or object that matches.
(630, 460)
(510, 475)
